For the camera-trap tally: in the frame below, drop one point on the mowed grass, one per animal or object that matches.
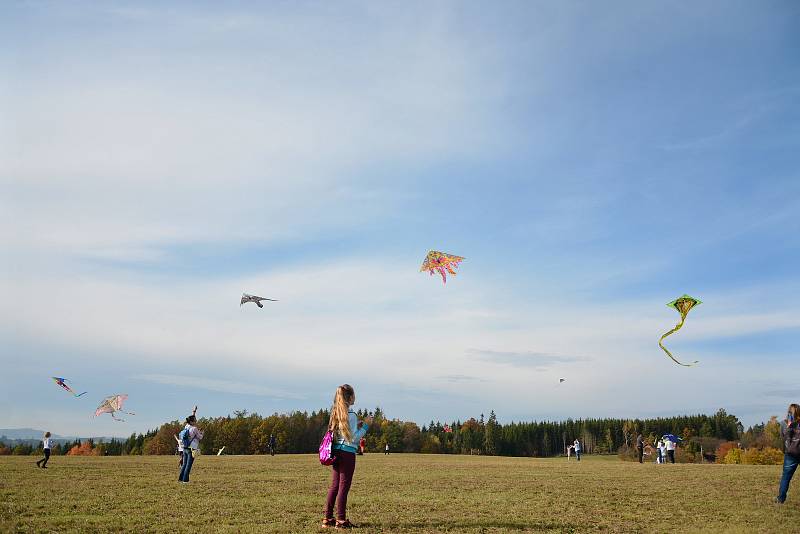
(397, 493)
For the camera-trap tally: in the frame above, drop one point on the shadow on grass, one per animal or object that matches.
(469, 525)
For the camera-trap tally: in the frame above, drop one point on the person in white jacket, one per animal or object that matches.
(46, 446)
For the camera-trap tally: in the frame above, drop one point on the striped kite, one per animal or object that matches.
(62, 382)
(683, 304)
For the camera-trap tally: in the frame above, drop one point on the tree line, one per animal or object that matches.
(301, 432)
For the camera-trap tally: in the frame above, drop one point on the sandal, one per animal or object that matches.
(344, 524)
(328, 522)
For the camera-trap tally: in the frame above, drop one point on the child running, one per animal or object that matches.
(46, 446)
(347, 431)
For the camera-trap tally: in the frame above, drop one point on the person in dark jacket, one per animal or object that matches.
(790, 431)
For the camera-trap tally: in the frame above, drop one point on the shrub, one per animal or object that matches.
(765, 456)
(723, 450)
(734, 456)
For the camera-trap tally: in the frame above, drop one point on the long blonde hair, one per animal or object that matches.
(345, 396)
(794, 410)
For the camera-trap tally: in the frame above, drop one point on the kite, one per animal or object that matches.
(112, 404)
(442, 263)
(683, 305)
(448, 429)
(253, 298)
(561, 380)
(62, 382)
(672, 437)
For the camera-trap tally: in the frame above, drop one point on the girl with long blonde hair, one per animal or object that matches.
(790, 430)
(347, 431)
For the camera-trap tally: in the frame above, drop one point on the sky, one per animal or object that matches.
(591, 161)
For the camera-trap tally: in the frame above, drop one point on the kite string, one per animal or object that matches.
(660, 344)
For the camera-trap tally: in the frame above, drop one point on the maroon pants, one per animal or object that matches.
(343, 470)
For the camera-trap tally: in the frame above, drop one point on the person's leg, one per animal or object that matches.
(671, 455)
(190, 460)
(641, 454)
(333, 490)
(347, 468)
(789, 467)
(46, 457)
(187, 465)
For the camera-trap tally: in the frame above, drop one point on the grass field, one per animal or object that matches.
(398, 493)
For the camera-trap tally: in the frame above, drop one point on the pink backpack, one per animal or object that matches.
(326, 456)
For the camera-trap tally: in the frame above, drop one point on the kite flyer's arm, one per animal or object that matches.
(194, 412)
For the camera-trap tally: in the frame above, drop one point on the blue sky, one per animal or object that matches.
(591, 161)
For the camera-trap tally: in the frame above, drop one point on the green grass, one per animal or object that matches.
(398, 493)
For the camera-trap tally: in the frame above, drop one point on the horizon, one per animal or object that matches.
(591, 163)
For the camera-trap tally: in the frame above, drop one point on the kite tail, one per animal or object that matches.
(660, 344)
(79, 394)
(116, 418)
(444, 276)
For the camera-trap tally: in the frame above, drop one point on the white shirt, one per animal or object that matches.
(45, 443)
(196, 436)
(670, 445)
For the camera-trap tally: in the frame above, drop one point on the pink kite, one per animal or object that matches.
(442, 263)
(112, 404)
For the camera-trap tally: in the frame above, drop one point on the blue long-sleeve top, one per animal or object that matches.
(357, 433)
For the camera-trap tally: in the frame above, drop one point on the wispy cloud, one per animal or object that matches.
(536, 360)
(459, 378)
(223, 386)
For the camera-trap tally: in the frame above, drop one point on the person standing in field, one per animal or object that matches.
(190, 438)
(577, 447)
(273, 444)
(790, 431)
(347, 431)
(662, 452)
(640, 447)
(46, 447)
(671, 450)
(180, 450)
(386, 450)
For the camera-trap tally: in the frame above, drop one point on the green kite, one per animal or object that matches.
(683, 305)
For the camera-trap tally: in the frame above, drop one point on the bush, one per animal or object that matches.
(765, 456)
(734, 456)
(685, 456)
(723, 450)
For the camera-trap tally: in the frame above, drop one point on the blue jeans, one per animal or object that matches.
(789, 466)
(186, 468)
(578, 454)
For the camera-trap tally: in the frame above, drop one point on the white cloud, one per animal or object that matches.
(211, 384)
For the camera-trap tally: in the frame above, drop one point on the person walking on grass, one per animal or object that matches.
(640, 447)
(386, 450)
(670, 450)
(347, 431)
(662, 452)
(577, 447)
(273, 444)
(46, 446)
(190, 438)
(790, 431)
(180, 450)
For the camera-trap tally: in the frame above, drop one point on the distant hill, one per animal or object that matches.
(25, 433)
(8, 435)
